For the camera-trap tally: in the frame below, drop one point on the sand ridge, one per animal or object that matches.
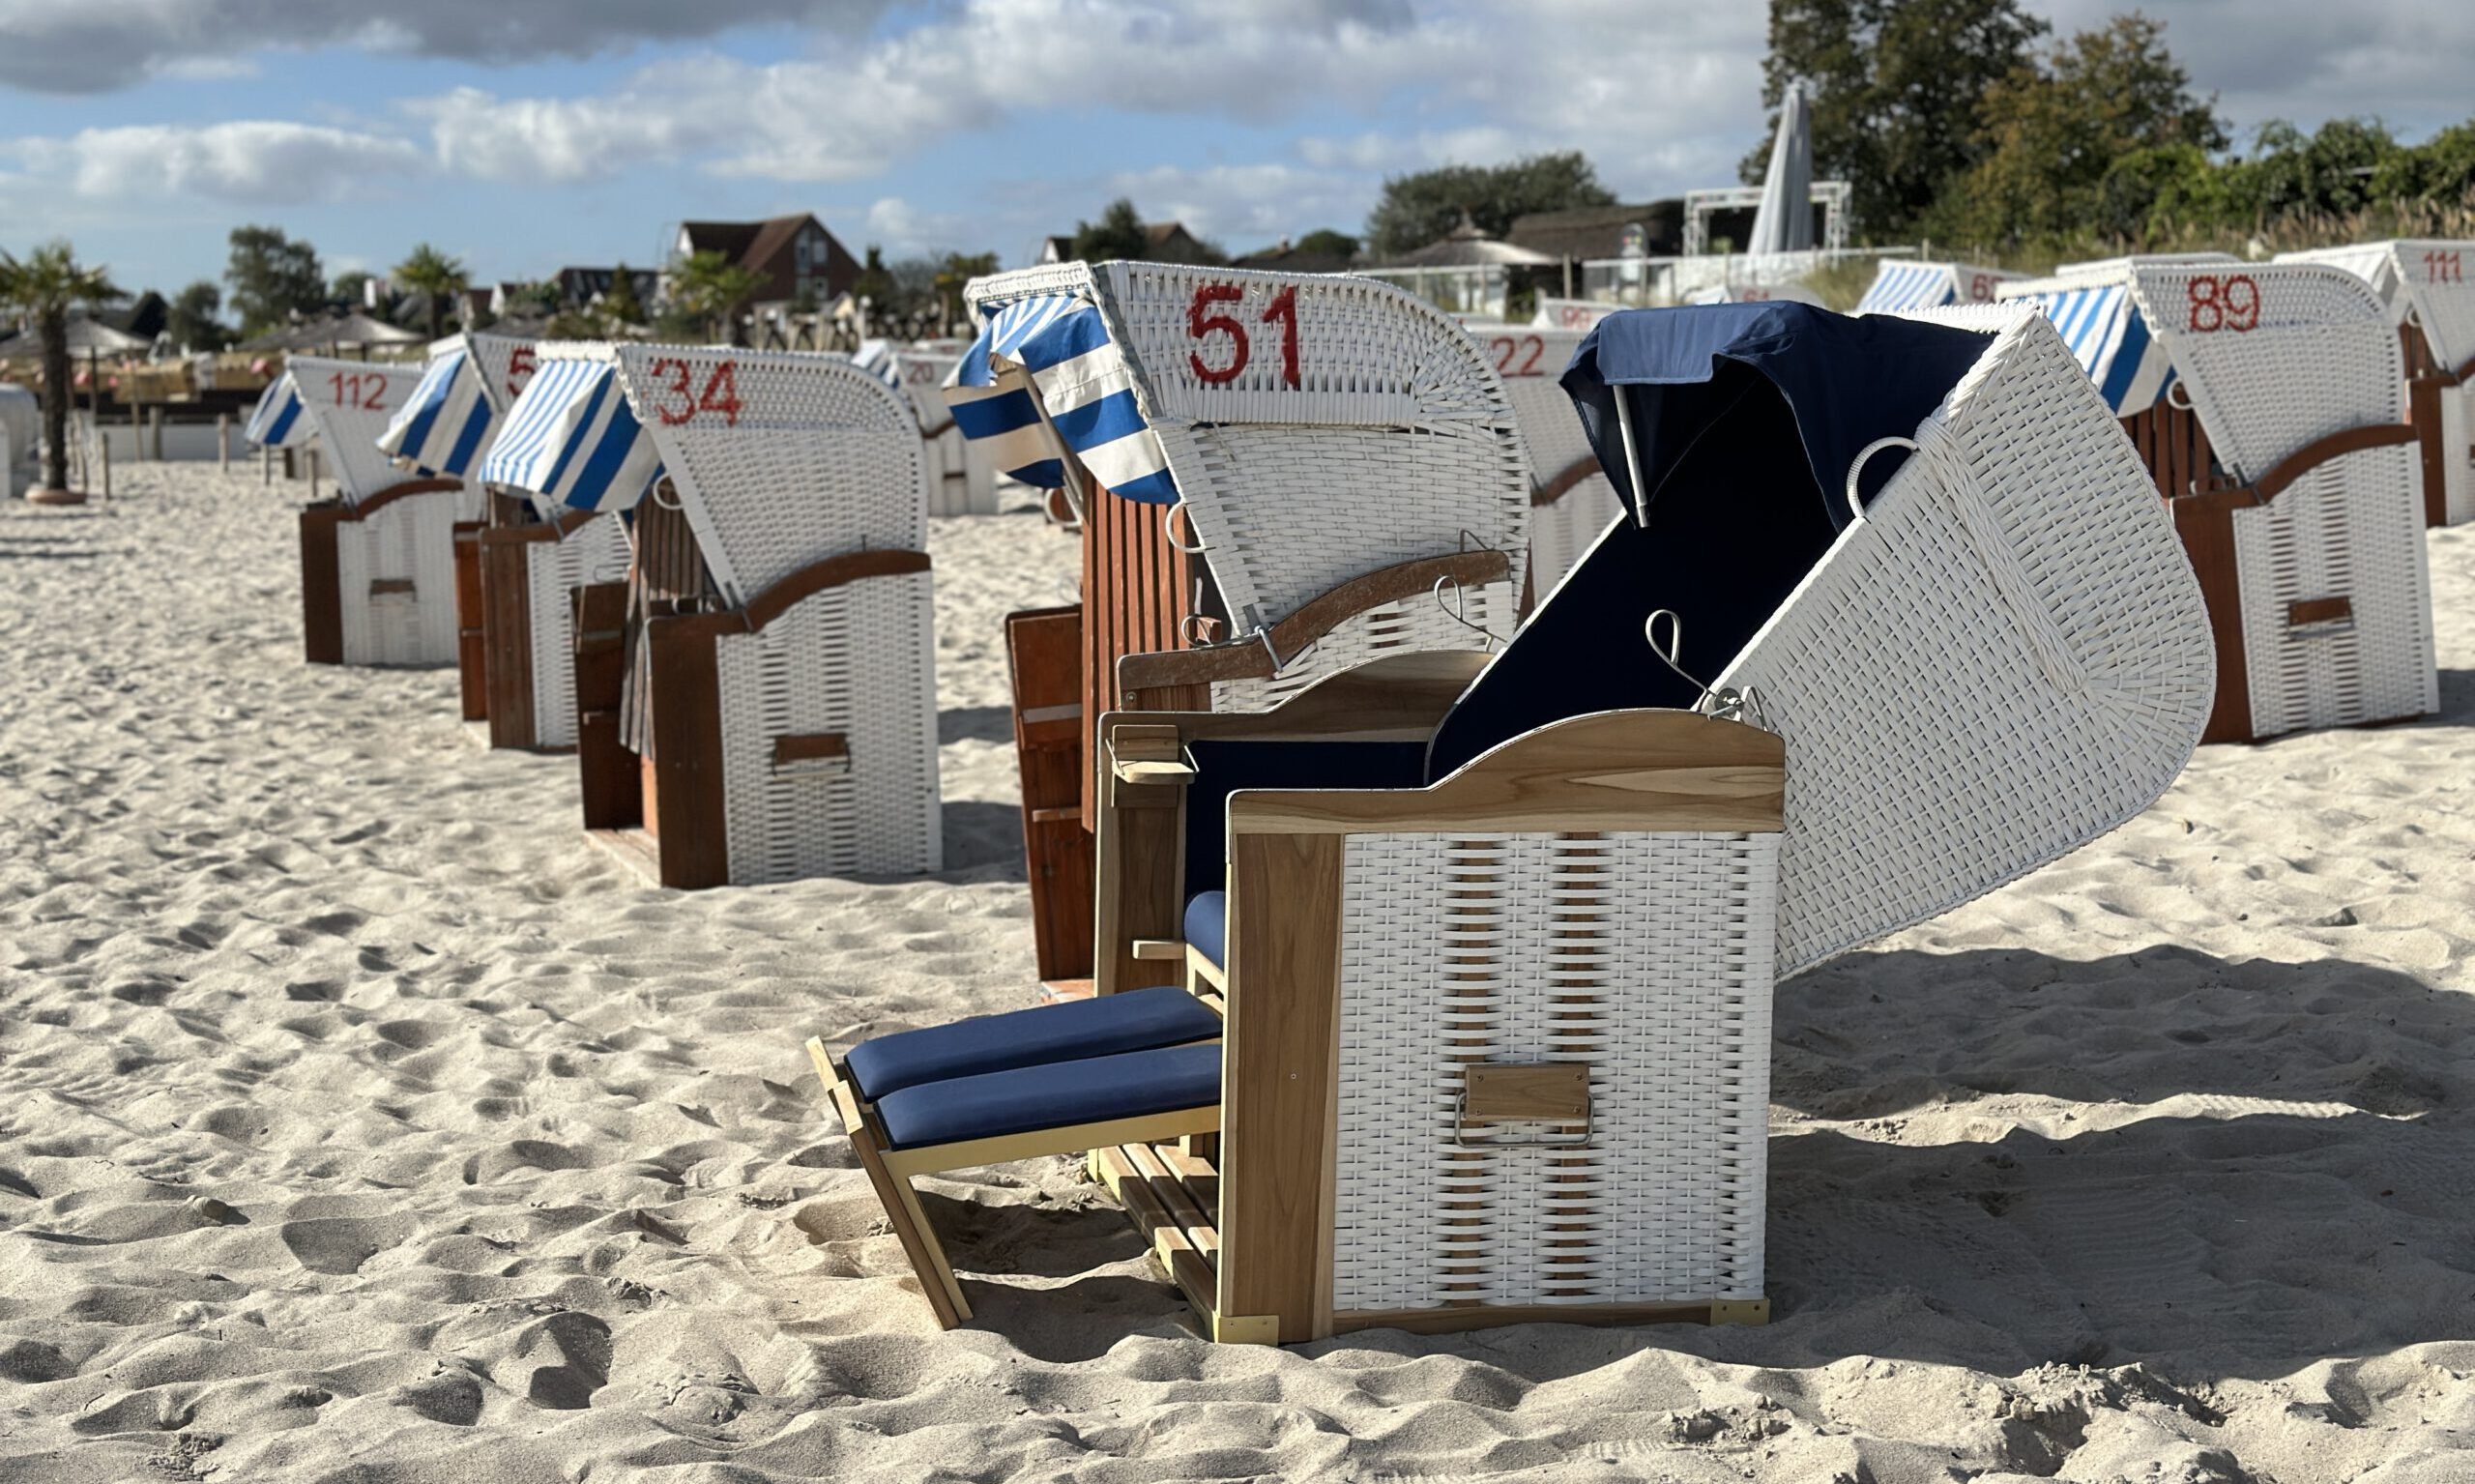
(360, 1121)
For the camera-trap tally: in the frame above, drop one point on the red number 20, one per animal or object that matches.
(1204, 320)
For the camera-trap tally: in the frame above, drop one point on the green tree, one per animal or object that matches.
(435, 275)
(709, 288)
(2054, 128)
(192, 322)
(1117, 237)
(1323, 242)
(621, 303)
(45, 286)
(351, 286)
(1414, 210)
(271, 277)
(1894, 88)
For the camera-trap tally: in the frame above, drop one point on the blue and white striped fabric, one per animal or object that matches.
(441, 427)
(880, 359)
(1899, 287)
(1058, 348)
(573, 440)
(2105, 329)
(279, 420)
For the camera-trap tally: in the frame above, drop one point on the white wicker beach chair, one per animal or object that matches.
(2267, 400)
(1903, 284)
(761, 700)
(1497, 939)
(21, 439)
(1276, 477)
(378, 562)
(1570, 501)
(2426, 285)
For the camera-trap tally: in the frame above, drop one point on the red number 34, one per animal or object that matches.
(1204, 319)
(720, 395)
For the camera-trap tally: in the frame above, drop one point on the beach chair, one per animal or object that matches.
(378, 560)
(442, 431)
(2426, 285)
(960, 478)
(757, 702)
(1274, 477)
(21, 439)
(1570, 500)
(1903, 284)
(519, 564)
(1482, 949)
(2268, 402)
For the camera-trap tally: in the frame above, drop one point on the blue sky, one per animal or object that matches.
(524, 135)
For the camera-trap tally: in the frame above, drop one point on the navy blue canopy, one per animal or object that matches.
(1746, 418)
(1846, 382)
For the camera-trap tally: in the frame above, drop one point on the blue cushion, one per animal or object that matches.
(1207, 926)
(1056, 1096)
(1137, 1020)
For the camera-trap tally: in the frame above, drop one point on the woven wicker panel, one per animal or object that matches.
(2352, 528)
(351, 402)
(1647, 956)
(858, 659)
(2458, 449)
(2434, 281)
(820, 459)
(2320, 358)
(502, 375)
(2006, 658)
(1418, 624)
(412, 538)
(1531, 363)
(596, 551)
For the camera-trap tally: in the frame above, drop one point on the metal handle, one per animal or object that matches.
(1855, 500)
(1462, 1138)
(1169, 531)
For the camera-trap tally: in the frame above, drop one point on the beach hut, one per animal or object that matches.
(1274, 477)
(1482, 951)
(1902, 285)
(2426, 285)
(758, 701)
(1570, 499)
(378, 560)
(2268, 402)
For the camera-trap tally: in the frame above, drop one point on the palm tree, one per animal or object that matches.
(712, 287)
(45, 286)
(432, 272)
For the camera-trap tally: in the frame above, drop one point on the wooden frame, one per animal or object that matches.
(676, 796)
(472, 648)
(506, 621)
(2428, 381)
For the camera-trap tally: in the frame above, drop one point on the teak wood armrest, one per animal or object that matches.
(2311, 456)
(1249, 660)
(398, 491)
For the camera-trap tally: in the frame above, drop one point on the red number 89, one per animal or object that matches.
(2230, 303)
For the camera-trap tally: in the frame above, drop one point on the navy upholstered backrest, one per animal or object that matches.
(1222, 767)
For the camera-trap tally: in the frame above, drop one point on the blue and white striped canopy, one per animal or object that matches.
(442, 427)
(1899, 287)
(2105, 329)
(880, 359)
(279, 420)
(1056, 348)
(571, 440)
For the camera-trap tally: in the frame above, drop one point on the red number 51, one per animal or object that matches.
(1204, 320)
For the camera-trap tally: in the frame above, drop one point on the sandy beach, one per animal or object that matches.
(361, 1122)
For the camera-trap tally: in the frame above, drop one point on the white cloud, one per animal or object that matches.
(258, 162)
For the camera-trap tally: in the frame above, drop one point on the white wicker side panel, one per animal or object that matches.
(2353, 528)
(1647, 956)
(596, 551)
(2457, 452)
(2006, 658)
(411, 538)
(1560, 532)
(352, 402)
(858, 659)
(1417, 623)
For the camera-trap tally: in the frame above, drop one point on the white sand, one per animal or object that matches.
(360, 1121)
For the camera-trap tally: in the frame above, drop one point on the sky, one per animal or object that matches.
(522, 135)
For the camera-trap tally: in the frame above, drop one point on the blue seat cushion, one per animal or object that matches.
(1058, 1094)
(1207, 926)
(1137, 1020)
